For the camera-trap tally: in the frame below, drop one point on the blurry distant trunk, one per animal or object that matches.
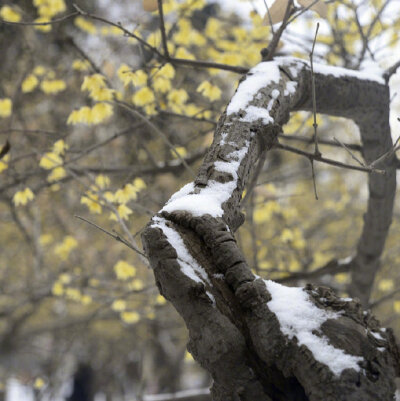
(242, 329)
(83, 387)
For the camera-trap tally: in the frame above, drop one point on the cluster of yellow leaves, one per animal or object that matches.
(96, 86)
(85, 25)
(52, 86)
(63, 249)
(80, 65)
(209, 91)
(8, 13)
(47, 9)
(97, 114)
(23, 197)
(130, 317)
(5, 107)
(124, 270)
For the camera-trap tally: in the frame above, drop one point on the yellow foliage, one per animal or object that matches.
(57, 289)
(182, 152)
(81, 65)
(209, 91)
(119, 305)
(45, 239)
(136, 285)
(63, 249)
(265, 211)
(124, 270)
(102, 94)
(60, 147)
(65, 278)
(74, 294)
(39, 70)
(4, 163)
(49, 8)
(143, 96)
(43, 28)
(85, 25)
(92, 202)
(5, 107)
(287, 235)
(181, 52)
(23, 197)
(178, 96)
(29, 83)
(386, 284)
(9, 14)
(38, 383)
(95, 115)
(52, 86)
(130, 317)
(50, 160)
(57, 174)
(123, 211)
(102, 181)
(95, 81)
(160, 300)
(396, 306)
(161, 84)
(125, 194)
(167, 71)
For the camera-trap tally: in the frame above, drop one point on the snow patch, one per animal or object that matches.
(299, 318)
(259, 76)
(254, 113)
(209, 200)
(188, 264)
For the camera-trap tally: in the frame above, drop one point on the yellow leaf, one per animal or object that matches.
(23, 197)
(124, 270)
(85, 25)
(5, 107)
(60, 147)
(80, 65)
(29, 83)
(119, 305)
(386, 285)
(102, 181)
(143, 96)
(4, 163)
(57, 289)
(130, 317)
(396, 306)
(209, 91)
(50, 160)
(9, 14)
(52, 86)
(57, 174)
(43, 28)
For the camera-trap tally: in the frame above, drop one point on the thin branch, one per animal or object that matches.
(354, 157)
(312, 156)
(115, 236)
(352, 146)
(54, 21)
(314, 97)
(391, 71)
(313, 178)
(162, 28)
(386, 155)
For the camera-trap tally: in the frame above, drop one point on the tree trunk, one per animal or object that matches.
(258, 339)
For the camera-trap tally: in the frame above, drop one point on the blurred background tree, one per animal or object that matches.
(96, 122)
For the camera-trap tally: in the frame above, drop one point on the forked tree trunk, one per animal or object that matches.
(260, 340)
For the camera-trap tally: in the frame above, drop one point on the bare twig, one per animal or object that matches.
(354, 157)
(314, 98)
(318, 158)
(162, 28)
(115, 236)
(54, 21)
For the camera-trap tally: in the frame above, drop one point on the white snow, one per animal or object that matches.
(209, 200)
(290, 88)
(299, 318)
(344, 261)
(372, 73)
(259, 76)
(254, 113)
(188, 264)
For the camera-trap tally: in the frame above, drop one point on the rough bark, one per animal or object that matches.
(233, 333)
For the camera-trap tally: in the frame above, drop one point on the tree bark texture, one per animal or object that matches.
(233, 332)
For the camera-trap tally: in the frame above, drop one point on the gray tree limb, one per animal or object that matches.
(234, 333)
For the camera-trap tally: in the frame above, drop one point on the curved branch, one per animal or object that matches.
(242, 329)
